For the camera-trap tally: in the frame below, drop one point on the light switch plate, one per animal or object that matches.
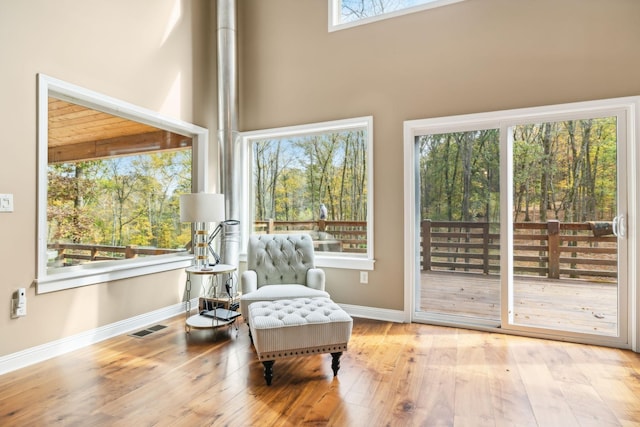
(6, 202)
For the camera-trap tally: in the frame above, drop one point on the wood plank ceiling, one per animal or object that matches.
(78, 133)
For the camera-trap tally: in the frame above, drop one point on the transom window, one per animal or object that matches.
(348, 13)
(314, 179)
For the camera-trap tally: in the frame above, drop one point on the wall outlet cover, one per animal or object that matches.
(6, 202)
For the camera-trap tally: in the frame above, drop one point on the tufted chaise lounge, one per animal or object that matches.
(280, 266)
(298, 327)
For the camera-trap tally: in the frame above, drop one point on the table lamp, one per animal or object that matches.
(201, 209)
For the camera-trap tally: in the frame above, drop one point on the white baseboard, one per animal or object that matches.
(383, 314)
(52, 349)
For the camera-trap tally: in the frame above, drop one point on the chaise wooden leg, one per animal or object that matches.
(335, 362)
(268, 370)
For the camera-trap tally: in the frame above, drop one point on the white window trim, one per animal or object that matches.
(332, 260)
(92, 273)
(335, 8)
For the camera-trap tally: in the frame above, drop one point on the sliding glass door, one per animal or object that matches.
(520, 221)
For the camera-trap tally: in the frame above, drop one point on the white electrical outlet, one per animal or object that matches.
(364, 277)
(6, 202)
(21, 311)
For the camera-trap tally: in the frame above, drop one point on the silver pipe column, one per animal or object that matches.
(228, 141)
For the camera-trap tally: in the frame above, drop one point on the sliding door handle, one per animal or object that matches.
(619, 226)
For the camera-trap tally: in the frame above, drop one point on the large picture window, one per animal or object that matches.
(314, 179)
(110, 179)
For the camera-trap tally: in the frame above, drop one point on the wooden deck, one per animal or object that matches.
(572, 305)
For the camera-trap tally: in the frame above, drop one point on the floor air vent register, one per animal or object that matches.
(145, 332)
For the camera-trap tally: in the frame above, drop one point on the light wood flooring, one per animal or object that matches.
(392, 375)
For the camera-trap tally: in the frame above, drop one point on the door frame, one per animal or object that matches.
(630, 338)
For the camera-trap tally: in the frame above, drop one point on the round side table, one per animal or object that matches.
(199, 321)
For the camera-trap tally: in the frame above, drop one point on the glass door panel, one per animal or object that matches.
(565, 256)
(459, 191)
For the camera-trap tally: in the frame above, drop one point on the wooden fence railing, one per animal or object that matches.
(553, 249)
(70, 253)
(346, 236)
(341, 236)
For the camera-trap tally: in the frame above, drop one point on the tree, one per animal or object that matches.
(459, 175)
(294, 175)
(68, 191)
(352, 10)
(560, 169)
(120, 201)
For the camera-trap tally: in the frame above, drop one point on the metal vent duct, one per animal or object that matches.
(228, 140)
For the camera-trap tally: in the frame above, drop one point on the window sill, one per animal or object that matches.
(348, 262)
(101, 272)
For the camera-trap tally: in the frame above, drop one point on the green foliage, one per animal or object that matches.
(120, 201)
(564, 170)
(459, 176)
(293, 176)
(70, 190)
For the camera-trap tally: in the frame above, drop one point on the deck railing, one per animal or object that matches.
(340, 236)
(349, 236)
(75, 253)
(553, 249)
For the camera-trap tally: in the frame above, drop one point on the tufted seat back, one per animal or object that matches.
(280, 258)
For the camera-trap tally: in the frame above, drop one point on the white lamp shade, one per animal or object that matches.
(202, 207)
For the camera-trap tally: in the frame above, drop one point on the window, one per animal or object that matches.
(349, 13)
(110, 175)
(315, 179)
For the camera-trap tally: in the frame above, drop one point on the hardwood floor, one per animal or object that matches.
(392, 375)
